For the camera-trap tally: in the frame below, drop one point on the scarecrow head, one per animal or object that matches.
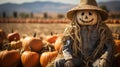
(87, 13)
(87, 17)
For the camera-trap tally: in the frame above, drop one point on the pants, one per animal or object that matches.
(78, 63)
(60, 62)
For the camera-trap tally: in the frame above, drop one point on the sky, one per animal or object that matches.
(63, 1)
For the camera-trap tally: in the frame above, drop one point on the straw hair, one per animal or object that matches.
(87, 5)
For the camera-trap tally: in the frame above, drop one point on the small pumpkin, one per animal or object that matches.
(47, 57)
(30, 59)
(16, 44)
(2, 35)
(9, 58)
(117, 46)
(13, 36)
(58, 44)
(51, 39)
(32, 43)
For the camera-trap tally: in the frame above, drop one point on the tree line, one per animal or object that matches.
(16, 14)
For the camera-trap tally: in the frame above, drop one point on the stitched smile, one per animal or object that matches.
(86, 21)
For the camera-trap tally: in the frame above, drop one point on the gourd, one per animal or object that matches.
(15, 36)
(16, 44)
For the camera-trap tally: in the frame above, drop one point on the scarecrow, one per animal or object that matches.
(88, 42)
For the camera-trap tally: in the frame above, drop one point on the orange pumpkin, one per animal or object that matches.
(9, 58)
(47, 57)
(2, 35)
(13, 36)
(117, 46)
(30, 59)
(51, 39)
(33, 43)
(58, 44)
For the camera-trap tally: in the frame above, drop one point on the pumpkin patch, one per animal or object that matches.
(36, 52)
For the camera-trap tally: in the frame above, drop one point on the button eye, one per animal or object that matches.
(90, 13)
(82, 13)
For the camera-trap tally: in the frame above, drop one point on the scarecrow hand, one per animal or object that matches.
(69, 63)
(102, 63)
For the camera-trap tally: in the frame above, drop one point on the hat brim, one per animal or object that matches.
(103, 13)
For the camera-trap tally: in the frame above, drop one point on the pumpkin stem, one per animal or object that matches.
(12, 30)
(34, 34)
(51, 33)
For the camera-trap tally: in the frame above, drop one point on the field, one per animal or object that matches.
(31, 28)
(43, 28)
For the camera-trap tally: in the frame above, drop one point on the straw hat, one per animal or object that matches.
(87, 5)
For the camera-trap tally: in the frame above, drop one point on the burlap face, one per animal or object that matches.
(87, 17)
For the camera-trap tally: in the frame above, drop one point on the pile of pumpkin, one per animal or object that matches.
(29, 51)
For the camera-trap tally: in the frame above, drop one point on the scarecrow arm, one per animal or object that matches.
(109, 52)
(109, 43)
(67, 52)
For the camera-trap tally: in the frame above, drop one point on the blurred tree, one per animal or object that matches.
(60, 16)
(4, 14)
(115, 15)
(104, 7)
(24, 15)
(45, 15)
(15, 15)
(31, 15)
(118, 16)
(112, 16)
